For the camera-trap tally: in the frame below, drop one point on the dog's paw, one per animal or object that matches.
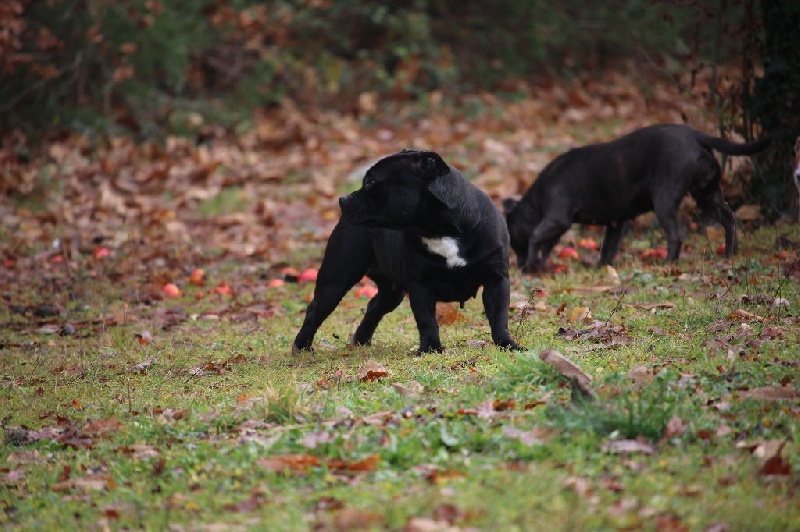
(296, 349)
(424, 350)
(509, 344)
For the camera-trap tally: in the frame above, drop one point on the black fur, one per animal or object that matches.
(405, 198)
(650, 169)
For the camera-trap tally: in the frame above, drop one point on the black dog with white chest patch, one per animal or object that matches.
(416, 226)
(650, 169)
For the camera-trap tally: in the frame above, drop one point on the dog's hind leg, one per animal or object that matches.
(423, 306)
(348, 256)
(611, 242)
(496, 298)
(710, 200)
(386, 300)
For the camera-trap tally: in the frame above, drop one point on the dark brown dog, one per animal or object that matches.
(650, 169)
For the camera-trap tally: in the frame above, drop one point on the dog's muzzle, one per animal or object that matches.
(353, 210)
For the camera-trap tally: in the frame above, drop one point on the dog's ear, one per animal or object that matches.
(509, 204)
(430, 165)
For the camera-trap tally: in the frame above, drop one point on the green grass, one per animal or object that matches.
(474, 437)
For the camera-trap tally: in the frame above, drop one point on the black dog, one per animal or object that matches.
(416, 226)
(650, 169)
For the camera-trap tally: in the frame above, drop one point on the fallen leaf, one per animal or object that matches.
(568, 369)
(579, 485)
(776, 466)
(96, 482)
(447, 314)
(675, 427)
(370, 463)
(48, 329)
(251, 504)
(613, 275)
(580, 315)
(771, 393)
(355, 519)
(140, 451)
(743, 314)
(652, 306)
(412, 389)
(534, 436)
(142, 367)
(628, 447)
(100, 427)
(293, 463)
(144, 338)
(25, 457)
(371, 371)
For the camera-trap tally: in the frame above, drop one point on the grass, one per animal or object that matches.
(226, 429)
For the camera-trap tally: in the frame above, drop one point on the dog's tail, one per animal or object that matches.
(731, 148)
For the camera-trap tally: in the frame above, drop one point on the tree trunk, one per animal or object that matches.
(775, 104)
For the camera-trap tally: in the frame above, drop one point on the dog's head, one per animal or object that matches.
(519, 228)
(399, 191)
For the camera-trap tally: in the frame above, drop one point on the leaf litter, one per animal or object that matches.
(99, 257)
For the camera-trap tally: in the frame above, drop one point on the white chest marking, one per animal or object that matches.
(446, 247)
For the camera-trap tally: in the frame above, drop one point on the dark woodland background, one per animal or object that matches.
(151, 68)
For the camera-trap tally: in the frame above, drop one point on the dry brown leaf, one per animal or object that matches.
(447, 314)
(568, 369)
(370, 463)
(143, 366)
(293, 463)
(355, 519)
(628, 447)
(99, 427)
(372, 371)
(101, 481)
(776, 466)
(771, 393)
(652, 306)
(675, 427)
(412, 389)
(534, 436)
(743, 314)
(580, 315)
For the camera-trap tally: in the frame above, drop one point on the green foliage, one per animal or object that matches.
(134, 64)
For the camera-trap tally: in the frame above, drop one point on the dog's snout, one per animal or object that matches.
(343, 200)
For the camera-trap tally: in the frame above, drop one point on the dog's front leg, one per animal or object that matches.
(423, 306)
(496, 298)
(543, 239)
(611, 242)
(667, 215)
